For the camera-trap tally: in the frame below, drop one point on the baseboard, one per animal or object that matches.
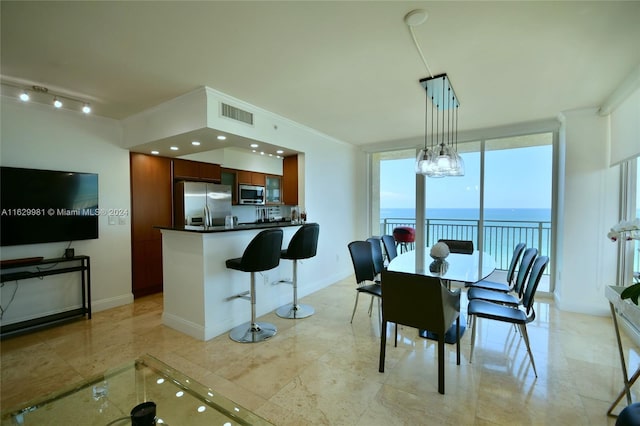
(112, 302)
(187, 327)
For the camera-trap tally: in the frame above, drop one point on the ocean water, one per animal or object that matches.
(533, 215)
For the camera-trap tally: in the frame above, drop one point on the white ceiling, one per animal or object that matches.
(347, 69)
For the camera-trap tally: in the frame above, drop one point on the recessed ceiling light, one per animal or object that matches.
(155, 152)
(254, 145)
(279, 151)
(174, 148)
(270, 155)
(24, 96)
(277, 156)
(261, 152)
(86, 108)
(253, 150)
(196, 143)
(221, 137)
(57, 103)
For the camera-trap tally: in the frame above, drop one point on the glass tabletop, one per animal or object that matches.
(108, 400)
(468, 268)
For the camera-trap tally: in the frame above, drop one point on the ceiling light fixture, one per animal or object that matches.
(254, 145)
(438, 158)
(155, 152)
(42, 94)
(173, 148)
(195, 143)
(221, 137)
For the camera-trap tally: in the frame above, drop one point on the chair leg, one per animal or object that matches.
(383, 344)
(473, 337)
(458, 340)
(523, 331)
(355, 306)
(395, 339)
(441, 363)
(295, 310)
(371, 305)
(253, 331)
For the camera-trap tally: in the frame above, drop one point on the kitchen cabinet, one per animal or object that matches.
(251, 178)
(230, 177)
(290, 180)
(273, 189)
(151, 205)
(196, 170)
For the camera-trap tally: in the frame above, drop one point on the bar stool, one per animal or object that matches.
(262, 254)
(303, 245)
(404, 236)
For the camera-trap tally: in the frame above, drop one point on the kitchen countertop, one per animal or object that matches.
(239, 227)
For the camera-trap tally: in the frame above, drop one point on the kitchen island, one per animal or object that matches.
(201, 294)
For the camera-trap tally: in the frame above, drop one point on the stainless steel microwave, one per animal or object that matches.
(251, 194)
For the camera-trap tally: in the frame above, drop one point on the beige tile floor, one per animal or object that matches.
(324, 370)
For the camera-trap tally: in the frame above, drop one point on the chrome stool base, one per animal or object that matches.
(253, 332)
(295, 311)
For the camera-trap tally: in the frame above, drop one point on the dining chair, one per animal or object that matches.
(422, 302)
(511, 272)
(520, 316)
(513, 298)
(376, 254)
(458, 246)
(390, 248)
(362, 259)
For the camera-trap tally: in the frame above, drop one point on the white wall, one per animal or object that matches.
(37, 136)
(588, 207)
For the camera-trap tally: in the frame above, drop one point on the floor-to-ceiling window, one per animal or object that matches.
(503, 198)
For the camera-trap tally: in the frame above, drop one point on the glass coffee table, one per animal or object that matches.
(111, 398)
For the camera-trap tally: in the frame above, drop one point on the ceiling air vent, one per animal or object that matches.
(236, 114)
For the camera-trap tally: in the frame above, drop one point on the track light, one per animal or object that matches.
(41, 94)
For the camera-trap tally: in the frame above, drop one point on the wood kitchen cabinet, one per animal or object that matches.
(196, 170)
(290, 180)
(151, 205)
(251, 178)
(230, 177)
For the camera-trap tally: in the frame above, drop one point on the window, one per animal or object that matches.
(503, 198)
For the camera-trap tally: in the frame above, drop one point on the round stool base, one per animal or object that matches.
(293, 312)
(252, 333)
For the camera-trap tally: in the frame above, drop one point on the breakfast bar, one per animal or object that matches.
(201, 296)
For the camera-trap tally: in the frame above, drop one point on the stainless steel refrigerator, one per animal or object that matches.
(201, 203)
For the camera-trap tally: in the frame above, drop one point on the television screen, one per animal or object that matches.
(43, 206)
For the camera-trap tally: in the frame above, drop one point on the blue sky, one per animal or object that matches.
(514, 179)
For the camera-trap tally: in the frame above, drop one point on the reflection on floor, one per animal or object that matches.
(323, 370)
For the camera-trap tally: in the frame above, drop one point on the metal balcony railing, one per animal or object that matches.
(499, 236)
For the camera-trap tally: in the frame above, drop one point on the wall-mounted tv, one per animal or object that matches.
(43, 206)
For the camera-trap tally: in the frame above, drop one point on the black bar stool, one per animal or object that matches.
(262, 254)
(303, 245)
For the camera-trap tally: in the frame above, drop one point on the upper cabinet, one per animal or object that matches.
(251, 178)
(187, 169)
(290, 180)
(273, 189)
(230, 177)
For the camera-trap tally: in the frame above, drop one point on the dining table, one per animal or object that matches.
(466, 268)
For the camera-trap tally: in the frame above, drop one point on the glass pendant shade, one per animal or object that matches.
(424, 162)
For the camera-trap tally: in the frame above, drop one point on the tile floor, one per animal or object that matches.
(322, 370)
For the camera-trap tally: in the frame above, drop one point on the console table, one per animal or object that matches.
(30, 269)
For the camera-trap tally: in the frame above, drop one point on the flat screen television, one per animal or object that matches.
(44, 206)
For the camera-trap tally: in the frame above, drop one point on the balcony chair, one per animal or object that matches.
(459, 246)
(520, 316)
(389, 247)
(303, 245)
(515, 297)
(511, 272)
(262, 254)
(405, 237)
(422, 302)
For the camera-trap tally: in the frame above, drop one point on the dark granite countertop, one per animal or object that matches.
(239, 227)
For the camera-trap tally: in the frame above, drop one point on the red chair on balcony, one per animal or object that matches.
(405, 236)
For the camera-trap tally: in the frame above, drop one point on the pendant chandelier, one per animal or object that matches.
(439, 156)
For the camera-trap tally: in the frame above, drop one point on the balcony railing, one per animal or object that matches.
(499, 236)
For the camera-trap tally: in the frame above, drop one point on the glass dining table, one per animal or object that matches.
(466, 268)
